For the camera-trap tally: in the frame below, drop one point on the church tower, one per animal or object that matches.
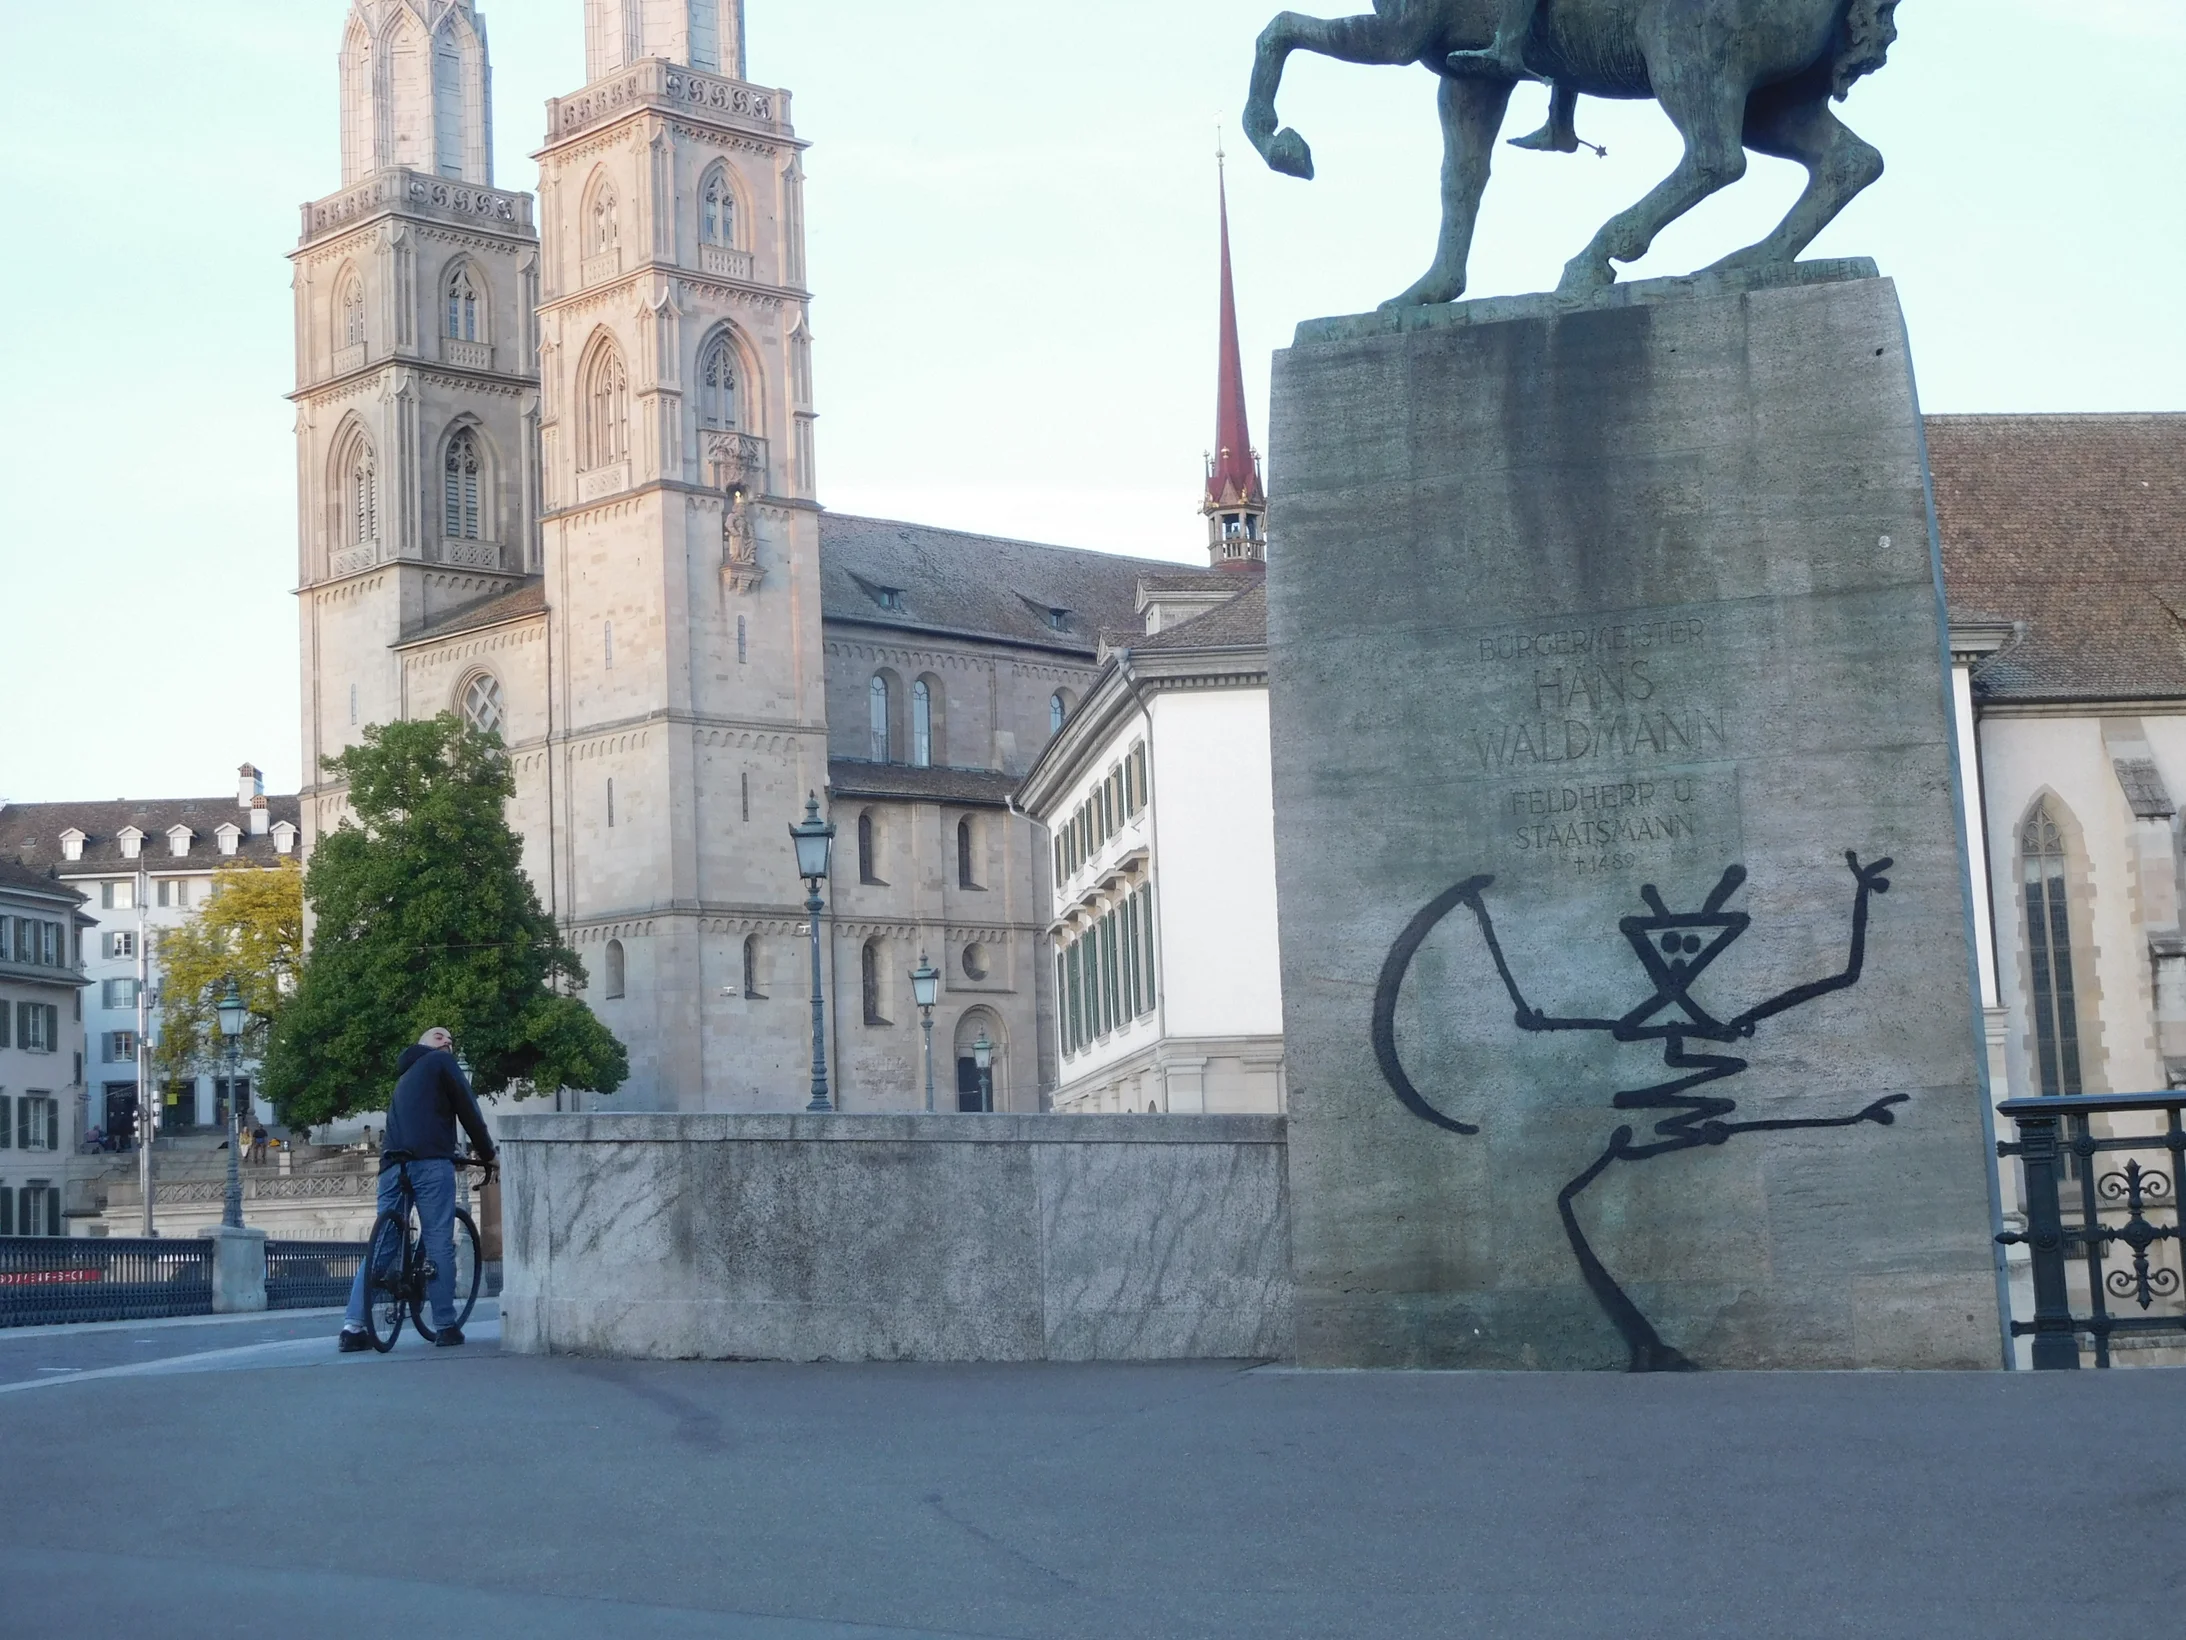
(681, 548)
(416, 396)
(1237, 501)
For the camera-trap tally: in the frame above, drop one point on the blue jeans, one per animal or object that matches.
(434, 1184)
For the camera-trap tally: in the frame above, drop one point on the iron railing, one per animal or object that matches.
(45, 1280)
(310, 1275)
(2098, 1228)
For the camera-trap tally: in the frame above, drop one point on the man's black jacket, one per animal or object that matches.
(430, 1098)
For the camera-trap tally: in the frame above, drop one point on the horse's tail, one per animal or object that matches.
(1870, 28)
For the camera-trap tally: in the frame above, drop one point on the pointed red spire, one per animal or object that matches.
(1233, 476)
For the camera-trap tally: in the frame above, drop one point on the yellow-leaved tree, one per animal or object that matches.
(250, 930)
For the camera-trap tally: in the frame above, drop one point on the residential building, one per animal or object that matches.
(144, 866)
(41, 1047)
(1157, 797)
(563, 482)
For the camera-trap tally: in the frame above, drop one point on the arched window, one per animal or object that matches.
(922, 724)
(615, 973)
(448, 123)
(870, 970)
(461, 518)
(603, 228)
(2049, 954)
(967, 854)
(462, 305)
(878, 705)
(633, 31)
(1057, 710)
(753, 977)
(352, 306)
(717, 209)
(363, 499)
(480, 704)
(606, 408)
(706, 35)
(717, 384)
(868, 848)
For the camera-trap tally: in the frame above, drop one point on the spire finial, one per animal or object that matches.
(1236, 502)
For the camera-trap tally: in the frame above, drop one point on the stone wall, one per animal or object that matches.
(935, 1238)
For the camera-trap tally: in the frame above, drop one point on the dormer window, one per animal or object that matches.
(72, 842)
(1059, 620)
(230, 834)
(131, 840)
(888, 597)
(178, 840)
(284, 837)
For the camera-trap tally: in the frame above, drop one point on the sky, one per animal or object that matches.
(1011, 209)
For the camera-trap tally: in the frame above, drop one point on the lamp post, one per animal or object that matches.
(232, 1013)
(814, 841)
(983, 1057)
(925, 990)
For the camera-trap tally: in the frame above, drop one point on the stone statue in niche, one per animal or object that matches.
(1675, 948)
(1731, 75)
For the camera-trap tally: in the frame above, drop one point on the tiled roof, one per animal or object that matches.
(1242, 623)
(30, 833)
(2075, 527)
(15, 876)
(847, 777)
(513, 605)
(948, 581)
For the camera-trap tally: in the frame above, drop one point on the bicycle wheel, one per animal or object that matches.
(468, 1273)
(388, 1257)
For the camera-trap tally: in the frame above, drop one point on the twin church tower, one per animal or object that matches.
(559, 477)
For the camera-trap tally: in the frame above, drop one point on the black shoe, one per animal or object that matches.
(446, 1336)
(353, 1341)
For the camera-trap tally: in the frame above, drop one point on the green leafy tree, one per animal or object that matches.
(250, 930)
(424, 917)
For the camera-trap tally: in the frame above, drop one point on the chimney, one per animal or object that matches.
(250, 786)
(261, 817)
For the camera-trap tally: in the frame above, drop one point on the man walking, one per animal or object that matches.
(431, 1098)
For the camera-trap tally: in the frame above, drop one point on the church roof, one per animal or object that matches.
(30, 833)
(2073, 527)
(849, 777)
(513, 605)
(1242, 623)
(1233, 472)
(917, 578)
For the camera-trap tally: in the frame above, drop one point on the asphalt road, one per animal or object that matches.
(215, 1492)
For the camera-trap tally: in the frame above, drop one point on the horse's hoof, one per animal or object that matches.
(1289, 154)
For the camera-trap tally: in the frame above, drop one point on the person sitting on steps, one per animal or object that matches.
(431, 1097)
(1505, 59)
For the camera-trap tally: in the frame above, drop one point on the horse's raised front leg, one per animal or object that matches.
(1472, 113)
(1711, 117)
(1400, 38)
(1839, 166)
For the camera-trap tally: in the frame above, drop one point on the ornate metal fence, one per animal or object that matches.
(2112, 1229)
(309, 1275)
(44, 1280)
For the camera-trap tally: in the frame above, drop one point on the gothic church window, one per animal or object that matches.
(352, 304)
(633, 31)
(870, 972)
(617, 971)
(868, 849)
(922, 724)
(448, 122)
(878, 708)
(706, 38)
(717, 209)
(481, 704)
(1057, 710)
(462, 305)
(753, 976)
(717, 384)
(462, 520)
(2049, 954)
(967, 854)
(606, 408)
(364, 518)
(604, 231)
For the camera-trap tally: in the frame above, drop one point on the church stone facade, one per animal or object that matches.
(562, 480)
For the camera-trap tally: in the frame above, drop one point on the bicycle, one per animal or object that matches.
(395, 1289)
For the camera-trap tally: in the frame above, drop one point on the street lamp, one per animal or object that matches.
(925, 990)
(233, 1013)
(983, 1057)
(815, 843)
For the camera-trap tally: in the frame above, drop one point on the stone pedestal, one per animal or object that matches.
(1608, 669)
(239, 1269)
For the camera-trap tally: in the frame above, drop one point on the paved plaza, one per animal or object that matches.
(240, 1478)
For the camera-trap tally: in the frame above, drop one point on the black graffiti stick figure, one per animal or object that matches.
(1675, 948)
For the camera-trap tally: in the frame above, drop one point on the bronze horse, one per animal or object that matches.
(1731, 74)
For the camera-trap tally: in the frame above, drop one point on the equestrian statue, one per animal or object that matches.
(1731, 75)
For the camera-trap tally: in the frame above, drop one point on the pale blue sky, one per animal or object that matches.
(1012, 235)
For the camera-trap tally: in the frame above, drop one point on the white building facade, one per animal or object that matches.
(41, 1047)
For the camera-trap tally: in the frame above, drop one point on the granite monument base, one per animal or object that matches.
(1627, 997)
